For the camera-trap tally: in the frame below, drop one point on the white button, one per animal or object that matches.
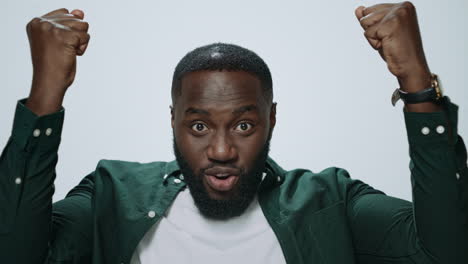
(36, 132)
(48, 131)
(151, 214)
(264, 175)
(18, 180)
(177, 180)
(457, 175)
(165, 176)
(279, 178)
(181, 177)
(440, 129)
(425, 131)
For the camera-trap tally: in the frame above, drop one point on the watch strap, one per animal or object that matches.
(431, 94)
(426, 95)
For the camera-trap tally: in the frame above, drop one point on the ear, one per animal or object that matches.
(172, 116)
(273, 116)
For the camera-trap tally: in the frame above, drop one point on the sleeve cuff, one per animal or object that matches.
(30, 130)
(432, 128)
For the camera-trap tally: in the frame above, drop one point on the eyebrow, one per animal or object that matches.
(237, 111)
(192, 110)
(244, 109)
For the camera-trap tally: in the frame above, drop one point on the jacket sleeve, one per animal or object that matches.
(432, 229)
(71, 232)
(28, 228)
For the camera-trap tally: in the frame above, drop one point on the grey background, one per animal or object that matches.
(333, 90)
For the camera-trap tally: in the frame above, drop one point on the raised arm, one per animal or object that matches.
(27, 163)
(434, 228)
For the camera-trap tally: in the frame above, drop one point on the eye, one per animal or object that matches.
(199, 127)
(244, 126)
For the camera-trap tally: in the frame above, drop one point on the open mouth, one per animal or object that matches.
(221, 179)
(221, 183)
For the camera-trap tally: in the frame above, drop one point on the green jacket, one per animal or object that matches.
(324, 217)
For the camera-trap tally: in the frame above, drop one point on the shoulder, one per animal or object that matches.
(331, 184)
(109, 173)
(130, 171)
(130, 166)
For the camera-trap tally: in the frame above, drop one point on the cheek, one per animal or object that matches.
(249, 148)
(192, 148)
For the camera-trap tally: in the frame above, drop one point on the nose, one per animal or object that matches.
(222, 149)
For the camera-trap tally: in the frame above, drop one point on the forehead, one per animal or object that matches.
(219, 89)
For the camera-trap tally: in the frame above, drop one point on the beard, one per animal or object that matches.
(243, 194)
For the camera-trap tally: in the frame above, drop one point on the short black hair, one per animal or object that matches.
(222, 56)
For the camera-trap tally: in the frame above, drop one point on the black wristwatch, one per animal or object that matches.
(431, 94)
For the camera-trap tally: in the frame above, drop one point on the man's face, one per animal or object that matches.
(222, 124)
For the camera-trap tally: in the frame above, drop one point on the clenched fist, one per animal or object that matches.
(55, 39)
(393, 30)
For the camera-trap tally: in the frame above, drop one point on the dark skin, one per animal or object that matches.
(393, 30)
(58, 37)
(221, 118)
(55, 39)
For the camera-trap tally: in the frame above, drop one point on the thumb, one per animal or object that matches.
(78, 13)
(359, 12)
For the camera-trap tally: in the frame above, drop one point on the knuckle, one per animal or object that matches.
(44, 25)
(63, 10)
(405, 9)
(373, 44)
(85, 26)
(363, 24)
(83, 38)
(74, 37)
(402, 12)
(34, 23)
(56, 31)
(408, 5)
(367, 34)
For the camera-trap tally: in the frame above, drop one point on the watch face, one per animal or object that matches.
(438, 87)
(395, 97)
(441, 87)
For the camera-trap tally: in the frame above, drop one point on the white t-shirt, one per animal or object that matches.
(185, 236)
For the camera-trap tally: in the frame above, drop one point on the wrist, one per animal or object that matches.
(420, 90)
(417, 80)
(418, 84)
(426, 107)
(43, 101)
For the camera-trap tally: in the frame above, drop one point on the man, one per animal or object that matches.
(240, 206)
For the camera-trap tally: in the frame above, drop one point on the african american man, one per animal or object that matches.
(223, 199)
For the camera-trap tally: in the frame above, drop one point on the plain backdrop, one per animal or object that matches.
(333, 90)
